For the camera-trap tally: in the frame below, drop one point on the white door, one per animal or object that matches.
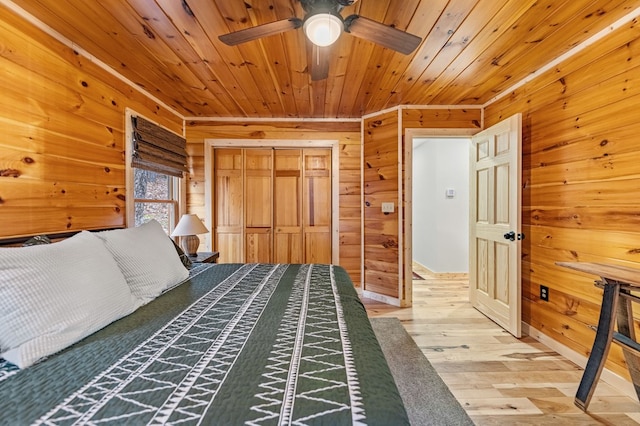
(495, 220)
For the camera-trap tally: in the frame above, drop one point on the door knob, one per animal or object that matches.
(511, 236)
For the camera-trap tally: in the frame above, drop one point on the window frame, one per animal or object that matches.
(172, 200)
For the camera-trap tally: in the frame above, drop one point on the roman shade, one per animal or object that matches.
(157, 149)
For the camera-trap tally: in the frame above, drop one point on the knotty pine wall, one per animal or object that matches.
(380, 177)
(581, 182)
(348, 135)
(382, 154)
(62, 161)
(62, 145)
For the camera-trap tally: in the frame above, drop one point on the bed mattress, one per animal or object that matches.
(234, 344)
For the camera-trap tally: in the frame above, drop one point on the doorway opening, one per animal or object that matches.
(440, 206)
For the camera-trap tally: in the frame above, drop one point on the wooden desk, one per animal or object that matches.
(617, 282)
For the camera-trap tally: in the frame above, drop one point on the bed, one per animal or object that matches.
(230, 344)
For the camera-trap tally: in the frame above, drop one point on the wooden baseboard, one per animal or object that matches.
(450, 275)
(613, 379)
(444, 275)
(393, 301)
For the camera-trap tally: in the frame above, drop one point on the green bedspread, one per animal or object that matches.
(235, 344)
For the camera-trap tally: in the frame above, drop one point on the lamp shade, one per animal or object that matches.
(323, 29)
(190, 224)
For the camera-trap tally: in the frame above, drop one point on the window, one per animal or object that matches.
(155, 197)
(158, 161)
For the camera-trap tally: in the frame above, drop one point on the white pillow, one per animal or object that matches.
(147, 258)
(54, 295)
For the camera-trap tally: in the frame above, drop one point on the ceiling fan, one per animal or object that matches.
(323, 25)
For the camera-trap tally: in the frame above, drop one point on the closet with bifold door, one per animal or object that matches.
(272, 205)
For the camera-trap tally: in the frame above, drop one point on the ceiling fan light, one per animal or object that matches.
(323, 29)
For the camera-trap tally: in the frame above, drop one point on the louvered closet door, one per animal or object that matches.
(273, 205)
(228, 202)
(287, 218)
(258, 204)
(317, 205)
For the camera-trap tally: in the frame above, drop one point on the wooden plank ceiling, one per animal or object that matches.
(471, 51)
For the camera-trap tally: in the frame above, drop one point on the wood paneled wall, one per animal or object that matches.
(348, 135)
(581, 174)
(385, 172)
(62, 162)
(62, 125)
(381, 233)
(442, 118)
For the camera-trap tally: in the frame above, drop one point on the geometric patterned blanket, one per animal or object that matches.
(256, 344)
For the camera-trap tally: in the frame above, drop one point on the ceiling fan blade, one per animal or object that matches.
(259, 31)
(319, 63)
(381, 34)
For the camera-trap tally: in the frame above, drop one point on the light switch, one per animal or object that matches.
(450, 193)
(388, 208)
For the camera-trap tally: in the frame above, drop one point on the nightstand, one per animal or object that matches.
(205, 257)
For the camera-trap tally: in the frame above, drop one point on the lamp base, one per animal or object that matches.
(190, 244)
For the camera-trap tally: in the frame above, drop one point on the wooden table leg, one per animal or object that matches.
(625, 327)
(601, 344)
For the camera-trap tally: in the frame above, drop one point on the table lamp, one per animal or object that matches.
(188, 226)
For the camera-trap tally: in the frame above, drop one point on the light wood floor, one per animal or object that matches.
(498, 379)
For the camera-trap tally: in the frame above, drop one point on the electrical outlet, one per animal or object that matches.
(544, 293)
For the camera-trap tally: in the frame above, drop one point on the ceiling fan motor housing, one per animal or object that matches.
(326, 6)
